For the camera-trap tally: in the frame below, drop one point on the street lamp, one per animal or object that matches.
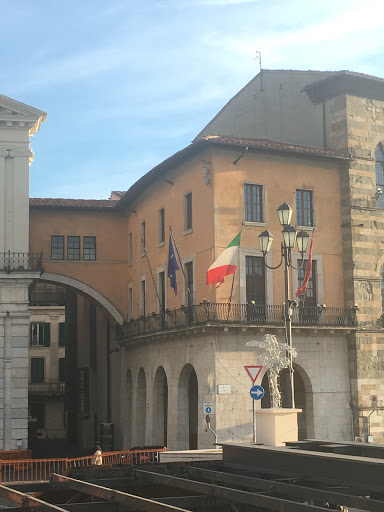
(290, 238)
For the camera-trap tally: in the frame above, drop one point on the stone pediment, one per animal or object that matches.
(14, 114)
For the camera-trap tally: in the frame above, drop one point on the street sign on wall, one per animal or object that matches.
(208, 408)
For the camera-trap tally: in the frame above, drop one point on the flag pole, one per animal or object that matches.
(229, 303)
(181, 265)
(234, 274)
(153, 280)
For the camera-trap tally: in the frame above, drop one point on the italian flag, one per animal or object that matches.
(226, 263)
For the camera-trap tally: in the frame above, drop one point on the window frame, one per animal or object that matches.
(71, 258)
(254, 206)
(57, 247)
(86, 241)
(33, 360)
(42, 338)
(161, 226)
(142, 240)
(188, 213)
(303, 209)
(260, 260)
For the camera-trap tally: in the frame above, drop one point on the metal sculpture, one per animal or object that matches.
(275, 362)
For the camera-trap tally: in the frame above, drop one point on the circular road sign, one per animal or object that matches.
(257, 392)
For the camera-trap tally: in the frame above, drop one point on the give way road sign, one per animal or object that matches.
(253, 372)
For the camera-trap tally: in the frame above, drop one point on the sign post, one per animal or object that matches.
(253, 372)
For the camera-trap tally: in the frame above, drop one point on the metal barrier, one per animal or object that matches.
(15, 454)
(40, 470)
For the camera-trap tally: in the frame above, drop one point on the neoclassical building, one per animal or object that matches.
(148, 360)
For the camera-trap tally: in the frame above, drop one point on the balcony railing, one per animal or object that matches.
(223, 313)
(21, 261)
(53, 387)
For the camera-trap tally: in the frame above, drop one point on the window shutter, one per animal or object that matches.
(47, 335)
(30, 334)
(61, 334)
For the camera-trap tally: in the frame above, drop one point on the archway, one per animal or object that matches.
(141, 408)
(187, 406)
(79, 368)
(303, 399)
(127, 404)
(160, 408)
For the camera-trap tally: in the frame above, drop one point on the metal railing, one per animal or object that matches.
(224, 313)
(40, 470)
(21, 261)
(53, 387)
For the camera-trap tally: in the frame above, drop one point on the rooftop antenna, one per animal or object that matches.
(258, 58)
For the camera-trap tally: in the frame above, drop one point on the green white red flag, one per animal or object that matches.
(226, 263)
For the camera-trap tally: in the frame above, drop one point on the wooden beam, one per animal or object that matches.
(227, 494)
(114, 496)
(27, 501)
(287, 490)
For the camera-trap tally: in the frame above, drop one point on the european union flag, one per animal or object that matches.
(172, 265)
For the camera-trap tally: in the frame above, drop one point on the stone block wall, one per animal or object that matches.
(357, 125)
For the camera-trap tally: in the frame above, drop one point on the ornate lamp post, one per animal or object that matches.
(290, 238)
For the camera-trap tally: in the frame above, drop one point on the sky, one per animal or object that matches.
(127, 83)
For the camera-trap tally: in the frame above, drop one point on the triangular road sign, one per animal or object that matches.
(253, 371)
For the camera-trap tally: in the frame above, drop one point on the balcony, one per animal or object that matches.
(209, 313)
(21, 262)
(50, 388)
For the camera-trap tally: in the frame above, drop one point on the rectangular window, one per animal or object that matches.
(130, 302)
(37, 370)
(142, 298)
(162, 292)
(73, 247)
(89, 248)
(61, 334)
(130, 254)
(57, 247)
(189, 276)
(143, 236)
(253, 203)
(92, 337)
(161, 226)
(311, 293)
(37, 411)
(188, 212)
(304, 207)
(40, 334)
(62, 369)
(255, 280)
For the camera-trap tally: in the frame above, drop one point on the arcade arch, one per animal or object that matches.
(160, 408)
(141, 409)
(187, 406)
(303, 399)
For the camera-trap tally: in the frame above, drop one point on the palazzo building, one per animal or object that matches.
(146, 359)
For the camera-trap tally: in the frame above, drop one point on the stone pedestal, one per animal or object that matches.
(275, 427)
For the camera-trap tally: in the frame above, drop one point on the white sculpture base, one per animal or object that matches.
(275, 427)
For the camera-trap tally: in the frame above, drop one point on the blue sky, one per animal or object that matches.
(128, 83)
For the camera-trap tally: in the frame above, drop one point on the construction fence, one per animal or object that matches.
(40, 470)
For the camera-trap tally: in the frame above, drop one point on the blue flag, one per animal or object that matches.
(172, 265)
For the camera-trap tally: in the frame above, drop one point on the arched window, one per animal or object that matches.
(379, 167)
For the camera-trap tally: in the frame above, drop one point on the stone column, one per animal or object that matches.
(14, 341)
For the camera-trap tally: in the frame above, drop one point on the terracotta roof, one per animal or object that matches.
(261, 144)
(72, 203)
(275, 146)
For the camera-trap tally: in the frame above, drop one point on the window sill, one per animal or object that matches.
(161, 244)
(251, 223)
(188, 231)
